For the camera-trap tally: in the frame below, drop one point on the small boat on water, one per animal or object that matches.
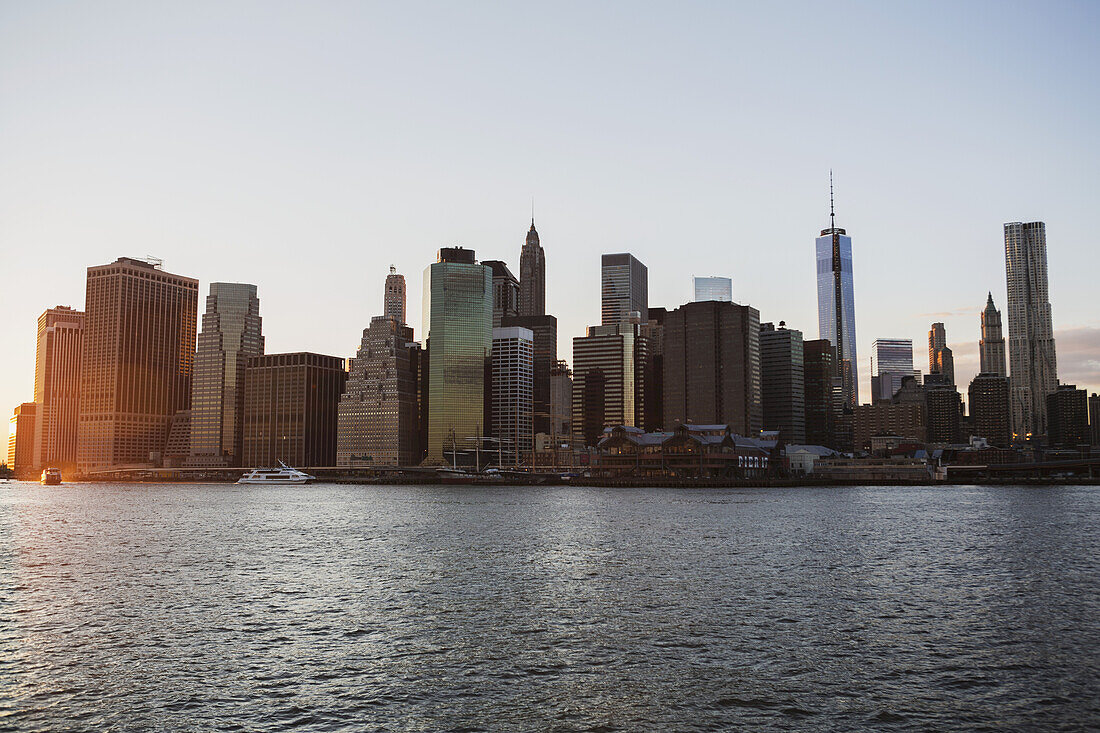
(284, 474)
(51, 476)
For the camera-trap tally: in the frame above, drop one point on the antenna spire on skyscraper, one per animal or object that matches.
(832, 211)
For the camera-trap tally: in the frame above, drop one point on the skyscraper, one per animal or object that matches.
(532, 276)
(513, 394)
(378, 417)
(1034, 368)
(505, 291)
(712, 367)
(561, 404)
(990, 415)
(891, 362)
(783, 381)
(713, 288)
(1068, 417)
(21, 429)
(395, 296)
(624, 289)
(940, 359)
(836, 310)
(232, 333)
(458, 324)
(991, 347)
(820, 377)
(139, 349)
(607, 387)
(57, 387)
(290, 409)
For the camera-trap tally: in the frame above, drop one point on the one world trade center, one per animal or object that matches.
(836, 310)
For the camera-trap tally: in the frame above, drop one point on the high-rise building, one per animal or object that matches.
(378, 420)
(1032, 361)
(891, 362)
(21, 429)
(232, 333)
(561, 404)
(607, 390)
(940, 359)
(990, 416)
(545, 330)
(783, 381)
(712, 367)
(653, 331)
(290, 409)
(713, 288)
(394, 305)
(505, 291)
(943, 414)
(1068, 417)
(624, 289)
(820, 380)
(904, 420)
(1094, 419)
(532, 276)
(513, 394)
(57, 387)
(991, 347)
(139, 349)
(458, 324)
(836, 310)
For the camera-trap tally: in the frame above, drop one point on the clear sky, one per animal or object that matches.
(305, 147)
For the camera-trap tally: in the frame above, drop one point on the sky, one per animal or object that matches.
(306, 147)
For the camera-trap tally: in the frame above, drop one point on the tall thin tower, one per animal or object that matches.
(1034, 368)
(532, 276)
(395, 296)
(991, 348)
(836, 310)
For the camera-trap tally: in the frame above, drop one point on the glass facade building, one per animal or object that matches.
(231, 335)
(891, 362)
(713, 288)
(836, 310)
(458, 323)
(624, 289)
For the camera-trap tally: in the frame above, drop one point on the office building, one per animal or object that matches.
(943, 414)
(713, 288)
(21, 429)
(783, 382)
(458, 325)
(139, 349)
(232, 333)
(712, 372)
(653, 331)
(290, 409)
(990, 416)
(940, 359)
(561, 404)
(836, 310)
(607, 390)
(991, 347)
(513, 394)
(624, 289)
(57, 387)
(1094, 419)
(891, 362)
(545, 330)
(820, 381)
(1032, 361)
(902, 420)
(394, 304)
(505, 291)
(1068, 417)
(177, 448)
(532, 276)
(378, 418)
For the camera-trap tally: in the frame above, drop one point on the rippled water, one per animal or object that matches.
(469, 608)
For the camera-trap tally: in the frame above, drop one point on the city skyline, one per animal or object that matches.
(280, 191)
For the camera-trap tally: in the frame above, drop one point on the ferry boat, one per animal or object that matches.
(284, 474)
(51, 476)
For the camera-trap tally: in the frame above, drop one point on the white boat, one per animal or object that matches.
(284, 474)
